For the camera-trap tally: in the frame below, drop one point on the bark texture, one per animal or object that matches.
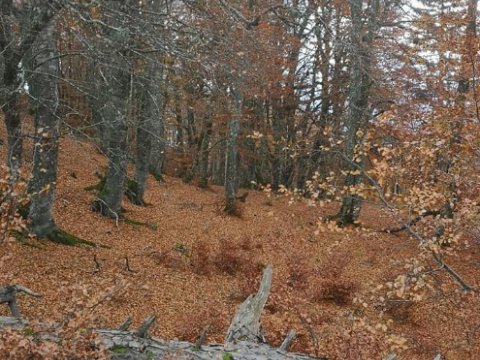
(44, 67)
(362, 35)
(114, 95)
(157, 155)
(146, 116)
(232, 154)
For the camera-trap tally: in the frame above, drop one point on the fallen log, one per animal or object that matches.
(244, 339)
(125, 345)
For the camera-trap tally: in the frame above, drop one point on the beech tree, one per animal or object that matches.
(43, 68)
(231, 176)
(362, 35)
(114, 89)
(20, 24)
(146, 113)
(238, 94)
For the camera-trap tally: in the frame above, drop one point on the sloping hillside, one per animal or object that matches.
(191, 266)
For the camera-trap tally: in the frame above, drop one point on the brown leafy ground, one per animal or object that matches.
(192, 266)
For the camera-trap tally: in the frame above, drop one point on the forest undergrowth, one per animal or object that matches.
(182, 259)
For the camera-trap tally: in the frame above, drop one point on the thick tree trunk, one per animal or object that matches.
(44, 93)
(17, 34)
(232, 154)
(114, 93)
(114, 115)
(15, 40)
(146, 117)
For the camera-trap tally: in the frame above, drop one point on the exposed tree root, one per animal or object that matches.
(131, 192)
(62, 237)
(98, 187)
(157, 176)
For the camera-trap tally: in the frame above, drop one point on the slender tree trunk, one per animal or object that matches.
(278, 145)
(355, 116)
(14, 134)
(324, 54)
(205, 152)
(232, 154)
(194, 142)
(191, 127)
(45, 101)
(178, 112)
(94, 102)
(218, 166)
(157, 156)
(149, 116)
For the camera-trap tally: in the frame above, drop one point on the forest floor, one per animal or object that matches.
(191, 266)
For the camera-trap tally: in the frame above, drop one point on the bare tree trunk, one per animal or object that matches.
(278, 145)
(45, 101)
(146, 117)
(205, 152)
(191, 126)
(14, 132)
(95, 104)
(331, 76)
(142, 157)
(157, 156)
(355, 116)
(232, 154)
(114, 114)
(19, 28)
(9, 89)
(217, 168)
(178, 110)
(114, 92)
